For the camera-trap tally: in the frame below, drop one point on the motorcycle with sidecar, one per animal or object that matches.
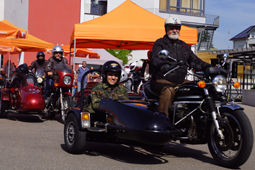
(200, 114)
(60, 94)
(27, 100)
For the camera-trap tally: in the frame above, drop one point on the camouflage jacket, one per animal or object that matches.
(102, 90)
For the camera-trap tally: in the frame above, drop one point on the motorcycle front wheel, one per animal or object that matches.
(235, 149)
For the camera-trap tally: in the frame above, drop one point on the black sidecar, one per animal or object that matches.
(116, 121)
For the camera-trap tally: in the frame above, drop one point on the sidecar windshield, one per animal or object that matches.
(28, 81)
(62, 67)
(39, 72)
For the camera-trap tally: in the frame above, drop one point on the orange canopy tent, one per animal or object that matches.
(29, 44)
(80, 52)
(5, 48)
(128, 26)
(8, 30)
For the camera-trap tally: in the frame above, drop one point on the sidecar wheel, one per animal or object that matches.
(4, 105)
(236, 147)
(75, 140)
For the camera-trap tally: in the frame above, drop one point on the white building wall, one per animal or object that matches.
(1, 10)
(16, 12)
(239, 44)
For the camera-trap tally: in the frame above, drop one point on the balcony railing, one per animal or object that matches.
(212, 20)
(184, 11)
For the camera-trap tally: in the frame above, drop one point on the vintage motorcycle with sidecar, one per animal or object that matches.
(60, 94)
(27, 100)
(200, 115)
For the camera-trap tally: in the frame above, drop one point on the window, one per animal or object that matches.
(98, 7)
(186, 7)
(163, 5)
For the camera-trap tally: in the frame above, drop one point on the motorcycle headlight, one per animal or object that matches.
(220, 83)
(39, 80)
(67, 80)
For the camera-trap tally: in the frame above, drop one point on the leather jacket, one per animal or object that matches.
(53, 61)
(178, 50)
(38, 64)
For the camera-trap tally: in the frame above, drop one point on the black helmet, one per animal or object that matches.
(40, 53)
(111, 66)
(22, 69)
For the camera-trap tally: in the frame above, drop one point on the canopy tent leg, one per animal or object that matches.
(74, 46)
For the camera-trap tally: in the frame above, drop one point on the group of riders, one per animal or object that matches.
(46, 65)
(111, 70)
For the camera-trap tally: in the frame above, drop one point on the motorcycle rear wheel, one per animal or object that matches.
(4, 105)
(75, 140)
(235, 149)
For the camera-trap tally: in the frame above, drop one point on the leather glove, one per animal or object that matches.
(165, 67)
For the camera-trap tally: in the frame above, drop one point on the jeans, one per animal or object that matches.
(73, 89)
(79, 85)
(49, 84)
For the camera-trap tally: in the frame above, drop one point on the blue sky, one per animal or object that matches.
(235, 15)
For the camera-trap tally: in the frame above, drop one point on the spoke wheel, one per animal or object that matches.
(236, 147)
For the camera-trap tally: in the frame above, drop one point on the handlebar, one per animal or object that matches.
(180, 63)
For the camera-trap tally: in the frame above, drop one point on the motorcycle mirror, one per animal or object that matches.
(164, 54)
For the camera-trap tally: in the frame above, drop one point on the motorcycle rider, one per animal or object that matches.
(57, 57)
(164, 85)
(21, 71)
(109, 87)
(39, 63)
(146, 71)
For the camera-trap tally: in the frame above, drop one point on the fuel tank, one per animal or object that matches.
(189, 92)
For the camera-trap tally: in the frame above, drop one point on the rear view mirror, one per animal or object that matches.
(164, 54)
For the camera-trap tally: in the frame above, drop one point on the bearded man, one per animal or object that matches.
(179, 50)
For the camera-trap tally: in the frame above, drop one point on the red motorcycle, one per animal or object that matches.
(60, 94)
(27, 99)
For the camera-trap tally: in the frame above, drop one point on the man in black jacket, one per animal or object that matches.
(57, 57)
(179, 50)
(40, 62)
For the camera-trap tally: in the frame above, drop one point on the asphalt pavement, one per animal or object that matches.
(29, 142)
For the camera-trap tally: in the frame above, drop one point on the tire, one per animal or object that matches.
(234, 150)
(75, 140)
(68, 102)
(4, 105)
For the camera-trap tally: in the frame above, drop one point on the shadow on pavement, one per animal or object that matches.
(144, 155)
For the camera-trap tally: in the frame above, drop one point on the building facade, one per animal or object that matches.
(53, 21)
(190, 12)
(245, 38)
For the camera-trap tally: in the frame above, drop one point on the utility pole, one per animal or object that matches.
(228, 38)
